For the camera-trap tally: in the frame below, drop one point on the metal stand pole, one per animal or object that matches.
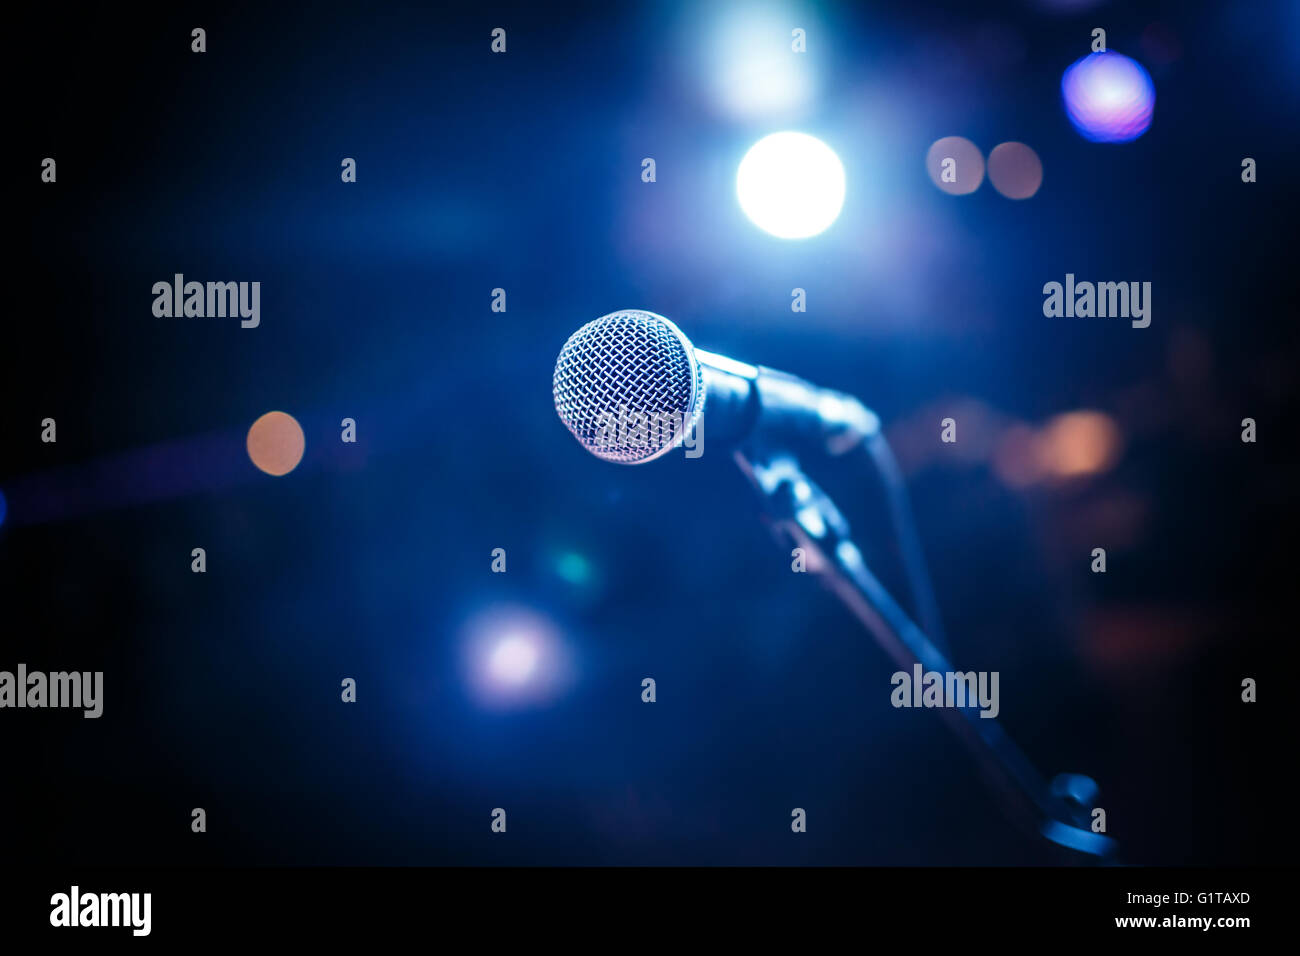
(804, 516)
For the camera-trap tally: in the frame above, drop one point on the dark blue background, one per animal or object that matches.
(523, 172)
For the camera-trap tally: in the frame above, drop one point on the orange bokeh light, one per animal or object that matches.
(1079, 443)
(276, 443)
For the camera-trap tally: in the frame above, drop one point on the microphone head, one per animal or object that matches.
(628, 386)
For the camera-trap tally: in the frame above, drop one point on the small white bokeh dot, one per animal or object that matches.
(791, 185)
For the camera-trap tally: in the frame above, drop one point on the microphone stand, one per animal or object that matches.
(802, 515)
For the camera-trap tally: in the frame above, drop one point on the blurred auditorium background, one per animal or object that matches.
(522, 690)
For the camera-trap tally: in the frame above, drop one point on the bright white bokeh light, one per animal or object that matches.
(514, 660)
(753, 61)
(752, 71)
(791, 185)
(515, 657)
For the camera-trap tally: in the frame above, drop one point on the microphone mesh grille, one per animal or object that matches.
(619, 367)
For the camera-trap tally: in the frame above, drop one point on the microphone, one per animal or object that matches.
(637, 368)
(630, 386)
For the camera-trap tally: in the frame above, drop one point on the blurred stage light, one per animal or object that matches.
(4, 508)
(573, 576)
(514, 660)
(1108, 97)
(515, 657)
(573, 568)
(791, 185)
(1016, 460)
(276, 443)
(1015, 170)
(1080, 443)
(962, 162)
(1071, 445)
(749, 66)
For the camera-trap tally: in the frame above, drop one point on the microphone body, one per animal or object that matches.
(640, 364)
(751, 402)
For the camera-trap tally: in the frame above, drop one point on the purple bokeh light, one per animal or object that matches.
(1108, 97)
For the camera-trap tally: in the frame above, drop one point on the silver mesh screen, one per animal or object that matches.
(627, 385)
